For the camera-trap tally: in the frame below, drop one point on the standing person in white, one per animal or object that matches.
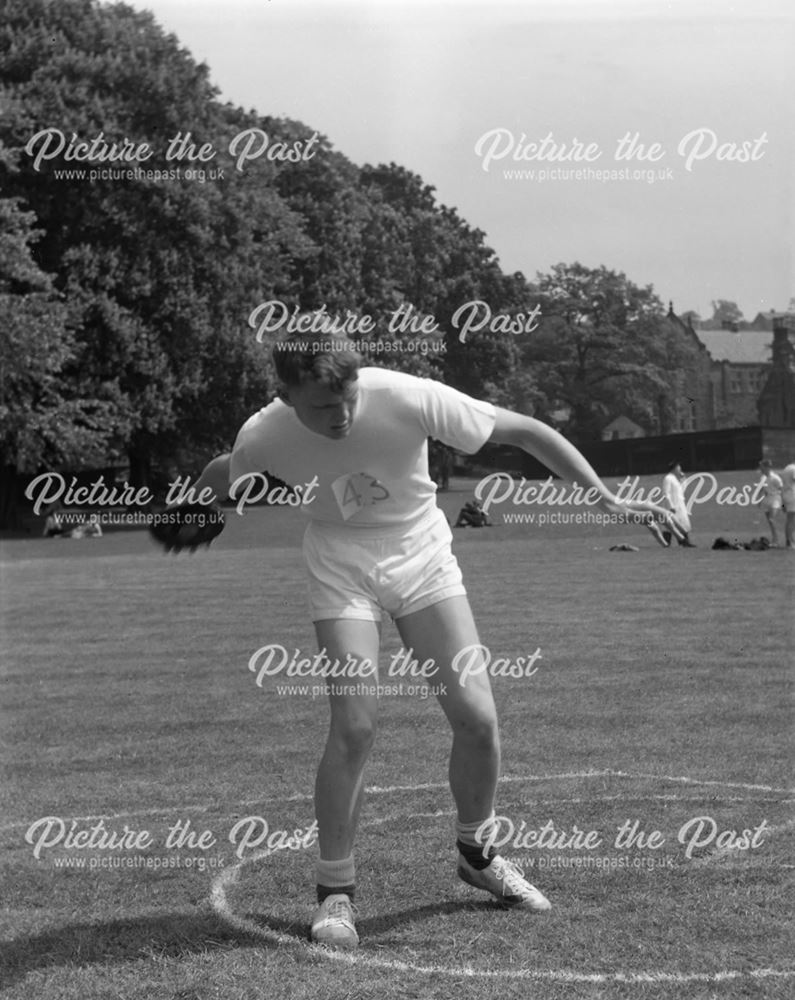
(788, 502)
(675, 498)
(771, 501)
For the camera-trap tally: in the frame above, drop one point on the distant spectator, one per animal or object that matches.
(472, 515)
(771, 501)
(54, 526)
(440, 461)
(788, 502)
(88, 529)
(675, 498)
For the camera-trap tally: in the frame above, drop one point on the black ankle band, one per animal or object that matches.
(474, 855)
(324, 891)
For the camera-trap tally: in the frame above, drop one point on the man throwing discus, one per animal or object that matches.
(376, 543)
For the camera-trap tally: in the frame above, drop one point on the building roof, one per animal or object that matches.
(623, 423)
(746, 347)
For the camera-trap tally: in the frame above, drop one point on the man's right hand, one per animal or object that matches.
(187, 526)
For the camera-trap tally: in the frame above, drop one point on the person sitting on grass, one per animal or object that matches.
(377, 544)
(54, 526)
(472, 515)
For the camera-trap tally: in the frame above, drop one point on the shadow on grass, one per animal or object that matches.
(372, 926)
(175, 935)
(84, 944)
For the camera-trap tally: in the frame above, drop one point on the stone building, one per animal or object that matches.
(693, 408)
(622, 428)
(776, 403)
(739, 378)
(741, 362)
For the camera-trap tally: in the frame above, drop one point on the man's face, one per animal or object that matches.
(323, 410)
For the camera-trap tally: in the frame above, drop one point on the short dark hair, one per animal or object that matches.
(330, 359)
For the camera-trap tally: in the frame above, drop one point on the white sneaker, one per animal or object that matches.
(333, 923)
(506, 881)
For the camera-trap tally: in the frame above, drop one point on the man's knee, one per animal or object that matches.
(480, 729)
(354, 736)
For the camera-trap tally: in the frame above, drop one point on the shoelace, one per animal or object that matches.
(342, 909)
(513, 878)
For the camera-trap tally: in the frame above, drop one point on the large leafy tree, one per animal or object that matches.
(49, 413)
(157, 273)
(604, 348)
(725, 312)
(426, 255)
(155, 277)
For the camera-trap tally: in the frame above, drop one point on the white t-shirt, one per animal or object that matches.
(772, 485)
(376, 476)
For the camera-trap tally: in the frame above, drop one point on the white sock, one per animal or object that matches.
(468, 834)
(336, 875)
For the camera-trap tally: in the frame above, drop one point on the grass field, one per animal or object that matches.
(660, 710)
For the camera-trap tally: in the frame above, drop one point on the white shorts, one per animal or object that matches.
(357, 573)
(788, 500)
(771, 504)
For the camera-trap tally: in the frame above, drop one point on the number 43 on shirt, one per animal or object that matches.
(357, 490)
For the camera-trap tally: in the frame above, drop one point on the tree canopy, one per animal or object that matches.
(605, 349)
(138, 238)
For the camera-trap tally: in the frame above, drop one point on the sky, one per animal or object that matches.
(465, 95)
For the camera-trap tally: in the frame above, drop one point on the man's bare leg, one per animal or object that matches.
(340, 776)
(446, 634)
(770, 515)
(439, 633)
(339, 783)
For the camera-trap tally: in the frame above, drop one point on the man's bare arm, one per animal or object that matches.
(216, 476)
(549, 447)
(562, 458)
